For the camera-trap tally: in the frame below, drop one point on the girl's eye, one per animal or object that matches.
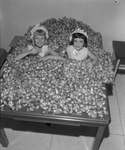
(75, 40)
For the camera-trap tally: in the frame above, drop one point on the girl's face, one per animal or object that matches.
(39, 40)
(78, 43)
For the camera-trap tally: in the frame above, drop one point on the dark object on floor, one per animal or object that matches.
(3, 55)
(119, 52)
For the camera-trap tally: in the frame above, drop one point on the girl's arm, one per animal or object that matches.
(52, 57)
(52, 52)
(93, 57)
(24, 54)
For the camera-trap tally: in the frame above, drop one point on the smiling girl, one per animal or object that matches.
(77, 48)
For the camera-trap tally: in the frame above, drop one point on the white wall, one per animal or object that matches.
(102, 15)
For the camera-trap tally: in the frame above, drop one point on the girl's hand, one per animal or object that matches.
(34, 51)
(90, 65)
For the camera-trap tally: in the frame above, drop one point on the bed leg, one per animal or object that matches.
(98, 139)
(3, 137)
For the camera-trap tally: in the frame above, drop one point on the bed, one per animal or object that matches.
(56, 91)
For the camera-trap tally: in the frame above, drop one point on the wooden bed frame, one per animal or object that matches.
(61, 119)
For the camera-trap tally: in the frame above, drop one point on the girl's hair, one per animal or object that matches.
(40, 32)
(81, 36)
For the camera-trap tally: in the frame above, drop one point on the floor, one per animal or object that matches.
(35, 136)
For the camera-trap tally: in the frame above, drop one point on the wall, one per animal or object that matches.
(102, 15)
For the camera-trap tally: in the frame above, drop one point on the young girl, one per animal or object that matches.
(39, 36)
(77, 48)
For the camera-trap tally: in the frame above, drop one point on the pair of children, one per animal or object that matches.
(77, 48)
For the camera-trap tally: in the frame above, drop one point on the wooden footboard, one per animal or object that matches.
(61, 119)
